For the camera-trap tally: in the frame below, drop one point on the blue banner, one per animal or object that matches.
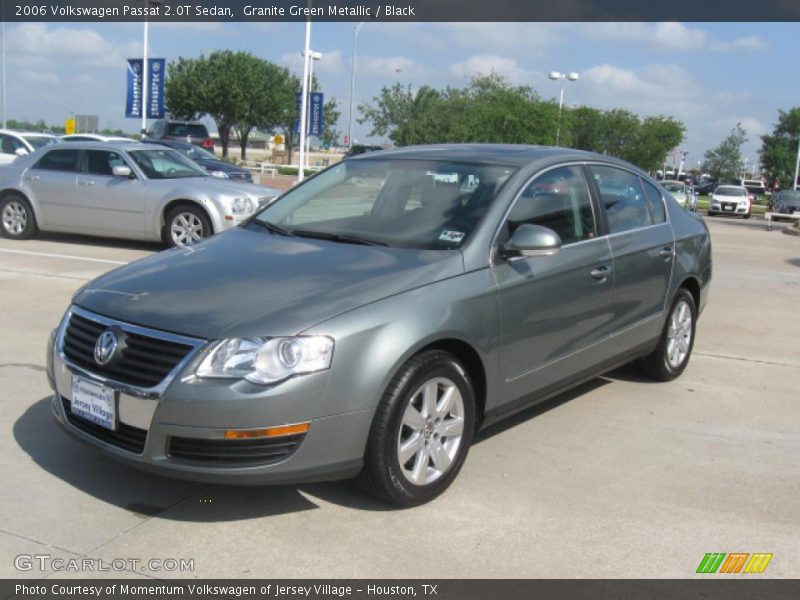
(315, 103)
(155, 88)
(133, 104)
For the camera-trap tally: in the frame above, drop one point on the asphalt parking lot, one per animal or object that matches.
(619, 478)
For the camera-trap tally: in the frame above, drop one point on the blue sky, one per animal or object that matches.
(708, 75)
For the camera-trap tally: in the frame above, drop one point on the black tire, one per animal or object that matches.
(383, 476)
(658, 364)
(712, 214)
(17, 221)
(747, 216)
(191, 215)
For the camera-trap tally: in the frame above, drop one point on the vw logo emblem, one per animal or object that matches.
(105, 347)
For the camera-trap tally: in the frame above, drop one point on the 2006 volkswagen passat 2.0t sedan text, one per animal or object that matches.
(370, 320)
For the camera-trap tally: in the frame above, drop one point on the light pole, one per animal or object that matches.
(313, 56)
(560, 77)
(356, 30)
(304, 101)
(796, 164)
(3, 61)
(145, 70)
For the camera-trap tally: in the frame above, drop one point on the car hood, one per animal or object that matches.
(213, 186)
(218, 165)
(252, 283)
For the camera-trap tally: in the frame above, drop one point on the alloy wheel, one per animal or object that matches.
(431, 431)
(15, 217)
(679, 334)
(186, 229)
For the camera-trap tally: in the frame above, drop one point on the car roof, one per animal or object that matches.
(35, 133)
(505, 154)
(113, 144)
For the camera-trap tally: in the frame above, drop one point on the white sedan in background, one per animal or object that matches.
(94, 137)
(21, 143)
(730, 200)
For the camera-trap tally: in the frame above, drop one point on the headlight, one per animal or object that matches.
(264, 200)
(242, 206)
(267, 360)
(220, 174)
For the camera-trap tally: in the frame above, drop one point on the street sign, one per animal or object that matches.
(69, 126)
(315, 104)
(155, 88)
(278, 139)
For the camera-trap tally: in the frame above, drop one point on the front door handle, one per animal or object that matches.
(601, 273)
(86, 183)
(666, 252)
(33, 178)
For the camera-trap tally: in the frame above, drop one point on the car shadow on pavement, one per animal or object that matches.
(795, 262)
(86, 240)
(148, 495)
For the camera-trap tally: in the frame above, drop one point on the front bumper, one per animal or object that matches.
(179, 431)
(728, 208)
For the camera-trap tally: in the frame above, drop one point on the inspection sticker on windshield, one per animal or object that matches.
(451, 236)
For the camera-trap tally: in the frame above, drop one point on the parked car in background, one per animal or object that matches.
(730, 200)
(357, 149)
(756, 187)
(784, 202)
(94, 137)
(121, 189)
(682, 192)
(20, 143)
(706, 186)
(373, 318)
(181, 131)
(214, 166)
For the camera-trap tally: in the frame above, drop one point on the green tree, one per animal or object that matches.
(656, 136)
(725, 160)
(236, 89)
(778, 152)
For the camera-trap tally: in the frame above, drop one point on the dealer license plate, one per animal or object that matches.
(728, 207)
(94, 402)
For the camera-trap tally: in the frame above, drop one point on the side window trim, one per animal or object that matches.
(610, 233)
(660, 197)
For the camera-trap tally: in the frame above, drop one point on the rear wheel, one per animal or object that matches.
(671, 356)
(17, 220)
(421, 432)
(186, 225)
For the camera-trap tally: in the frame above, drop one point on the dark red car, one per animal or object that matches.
(181, 131)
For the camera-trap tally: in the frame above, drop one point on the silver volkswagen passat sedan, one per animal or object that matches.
(121, 189)
(369, 321)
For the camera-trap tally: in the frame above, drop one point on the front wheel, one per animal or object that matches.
(422, 431)
(671, 356)
(186, 225)
(747, 216)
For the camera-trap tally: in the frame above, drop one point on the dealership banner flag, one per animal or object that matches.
(315, 102)
(155, 91)
(133, 104)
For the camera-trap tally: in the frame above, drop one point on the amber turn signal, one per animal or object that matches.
(248, 434)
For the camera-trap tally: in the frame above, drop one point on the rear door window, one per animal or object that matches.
(656, 201)
(59, 160)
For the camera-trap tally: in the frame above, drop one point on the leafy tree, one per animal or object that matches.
(724, 161)
(778, 152)
(656, 136)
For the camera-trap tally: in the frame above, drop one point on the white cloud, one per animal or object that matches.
(749, 42)
(485, 64)
(35, 43)
(331, 62)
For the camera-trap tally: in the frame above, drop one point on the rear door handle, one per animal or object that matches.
(86, 183)
(666, 252)
(601, 273)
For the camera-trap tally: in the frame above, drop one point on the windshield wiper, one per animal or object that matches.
(336, 237)
(271, 227)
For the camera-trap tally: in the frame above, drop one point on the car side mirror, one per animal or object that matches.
(532, 240)
(121, 171)
(21, 152)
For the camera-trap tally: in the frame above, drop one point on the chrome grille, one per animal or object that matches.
(144, 362)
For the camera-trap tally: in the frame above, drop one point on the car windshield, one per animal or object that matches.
(40, 141)
(405, 203)
(788, 197)
(729, 191)
(673, 187)
(165, 164)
